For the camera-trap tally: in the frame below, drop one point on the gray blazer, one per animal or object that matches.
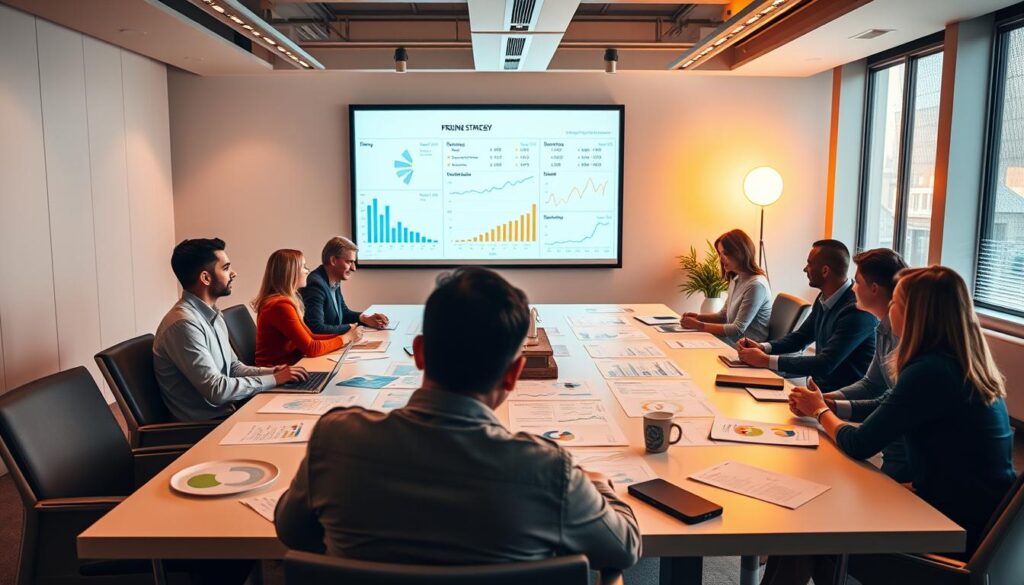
(442, 481)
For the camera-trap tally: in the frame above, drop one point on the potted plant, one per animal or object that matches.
(704, 276)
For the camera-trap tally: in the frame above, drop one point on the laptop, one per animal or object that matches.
(316, 382)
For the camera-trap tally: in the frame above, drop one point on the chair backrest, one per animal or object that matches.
(313, 569)
(128, 368)
(60, 437)
(788, 312)
(1000, 557)
(241, 333)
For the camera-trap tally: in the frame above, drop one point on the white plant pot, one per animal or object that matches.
(712, 305)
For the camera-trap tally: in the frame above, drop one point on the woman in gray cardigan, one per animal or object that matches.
(749, 304)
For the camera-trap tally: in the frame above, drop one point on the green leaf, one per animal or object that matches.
(703, 276)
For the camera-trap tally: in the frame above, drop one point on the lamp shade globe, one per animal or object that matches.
(763, 186)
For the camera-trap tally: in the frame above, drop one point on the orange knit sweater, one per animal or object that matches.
(282, 337)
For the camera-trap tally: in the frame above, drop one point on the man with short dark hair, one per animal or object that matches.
(326, 311)
(873, 285)
(442, 481)
(843, 334)
(200, 377)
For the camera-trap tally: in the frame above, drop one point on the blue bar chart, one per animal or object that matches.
(381, 231)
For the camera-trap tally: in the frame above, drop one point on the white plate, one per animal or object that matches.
(219, 478)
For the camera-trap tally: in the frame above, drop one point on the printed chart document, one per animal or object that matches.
(388, 400)
(617, 350)
(377, 382)
(620, 465)
(682, 398)
(624, 368)
(316, 405)
(264, 504)
(597, 321)
(783, 490)
(371, 345)
(577, 423)
(269, 432)
(609, 334)
(552, 390)
(749, 431)
(696, 341)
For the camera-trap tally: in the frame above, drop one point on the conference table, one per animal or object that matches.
(863, 511)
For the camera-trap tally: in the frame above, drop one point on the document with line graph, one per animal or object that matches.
(552, 390)
(633, 368)
(576, 423)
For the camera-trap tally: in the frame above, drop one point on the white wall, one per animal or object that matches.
(263, 163)
(86, 211)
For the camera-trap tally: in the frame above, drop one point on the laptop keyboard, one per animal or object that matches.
(314, 381)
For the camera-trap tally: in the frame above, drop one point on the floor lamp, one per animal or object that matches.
(762, 186)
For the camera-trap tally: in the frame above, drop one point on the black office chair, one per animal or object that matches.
(241, 333)
(998, 560)
(788, 312)
(313, 569)
(71, 465)
(128, 369)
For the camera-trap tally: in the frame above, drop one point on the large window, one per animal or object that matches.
(898, 175)
(1000, 275)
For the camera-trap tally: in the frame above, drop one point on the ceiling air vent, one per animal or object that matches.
(512, 64)
(523, 14)
(871, 34)
(514, 46)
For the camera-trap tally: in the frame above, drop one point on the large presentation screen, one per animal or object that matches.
(494, 185)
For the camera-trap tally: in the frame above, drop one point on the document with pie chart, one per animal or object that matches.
(571, 423)
(748, 431)
(682, 398)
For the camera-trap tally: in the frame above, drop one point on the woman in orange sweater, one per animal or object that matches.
(281, 335)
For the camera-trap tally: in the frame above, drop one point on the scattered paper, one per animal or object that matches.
(622, 368)
(748, 431)
(608, 310)
(609, 334)
(696, 432)
(682, 398)
(784, 490)
(578, 423)
(316, 405)
(560, 350)
(359, 357)
(552, 390)
(403, 370)
(696, 341)
(596, 321)
(388, 400)
(264, 504)
(673, 328)
(617, 350)
(765, 395)
(620, 465)
(269, 432)
(371, 345)
(552, 331)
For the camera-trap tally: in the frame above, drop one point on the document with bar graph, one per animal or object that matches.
(499, 185)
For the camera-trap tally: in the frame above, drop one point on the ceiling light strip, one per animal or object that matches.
(752, 18)
(241, 19)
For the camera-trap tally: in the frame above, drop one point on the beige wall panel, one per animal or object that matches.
(66, 139)
(272, 171)
(110, 191)
(27, 310)
(149, 188)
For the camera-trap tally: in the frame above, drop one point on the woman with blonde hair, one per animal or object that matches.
(748, 307)
(947, 403)
(281, 335)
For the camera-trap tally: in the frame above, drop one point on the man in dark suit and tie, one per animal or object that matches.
(326, 311)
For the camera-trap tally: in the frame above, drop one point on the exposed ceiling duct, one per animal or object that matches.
(517, 35)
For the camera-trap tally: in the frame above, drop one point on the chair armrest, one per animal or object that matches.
(610, 577)
(87, 504)
(150, 461)
(950, 563)
(175, 433)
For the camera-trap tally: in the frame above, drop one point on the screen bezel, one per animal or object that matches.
(353, 108)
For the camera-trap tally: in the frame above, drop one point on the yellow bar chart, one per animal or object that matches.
(521, 229)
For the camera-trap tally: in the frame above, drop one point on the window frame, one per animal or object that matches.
(908, 55)
(990, 157)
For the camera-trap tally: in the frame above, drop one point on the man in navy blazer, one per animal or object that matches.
(844, 336)
(326, 311)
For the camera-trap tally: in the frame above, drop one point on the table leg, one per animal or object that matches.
(750, 570)
(159, 574)
(681, 571)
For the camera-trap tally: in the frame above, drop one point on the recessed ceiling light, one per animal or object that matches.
(739, 29)
(270, 40)
(236, 20)
(753, 19)
(873, 33)
(218, 8)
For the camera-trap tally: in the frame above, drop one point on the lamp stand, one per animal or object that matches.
(762, 257)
